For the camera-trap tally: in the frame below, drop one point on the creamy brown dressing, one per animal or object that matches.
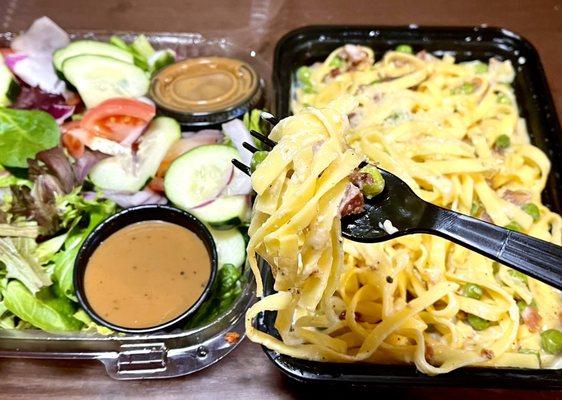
(205, 84)
(146, 274)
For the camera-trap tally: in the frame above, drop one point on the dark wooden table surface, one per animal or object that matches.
(258, 24)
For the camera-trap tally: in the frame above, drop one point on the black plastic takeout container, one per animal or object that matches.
(126, 217)
(310, 44)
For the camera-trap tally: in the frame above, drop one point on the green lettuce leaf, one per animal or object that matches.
(47, 249)
(63, 261)
(28, 229)
(42, 311)
(17, 256)
(225, 291)
(144, 55)
(90, 325)
(24, 133)
(6, 317)
(7, 179)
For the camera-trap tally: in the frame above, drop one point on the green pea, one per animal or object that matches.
(521, 305)
(375, 188)
(478, 323)
(551, 341)
(336, 62)
(502, 142)
(475, 209)
(472, 290)
(519, 275)
(307, 87)
(303, 74)
(481, 68)
(532, 210)
(503, 99)
(465, 88)
(257, 159)
(404, 48)
(514, 226)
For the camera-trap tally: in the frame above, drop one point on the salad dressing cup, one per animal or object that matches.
(117, 224)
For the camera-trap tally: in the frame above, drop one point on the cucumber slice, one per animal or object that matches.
(231, 247)
(9, 88)
(98, 78)
(195, 179)
(121, 172)
(224, 212)
(199, 176)
(91, 47)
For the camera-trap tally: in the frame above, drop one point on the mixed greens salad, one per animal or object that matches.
(78, 141)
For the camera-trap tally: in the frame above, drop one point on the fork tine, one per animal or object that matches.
(263, 138)
(242, 167)
(249, 147)
(270, 118)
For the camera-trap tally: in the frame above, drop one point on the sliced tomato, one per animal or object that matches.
(75, 138)
(6, 51)
(178, 148)
(157, 184)
(121, 120)
(182, 146)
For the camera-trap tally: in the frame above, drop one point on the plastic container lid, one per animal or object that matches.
(206, 90)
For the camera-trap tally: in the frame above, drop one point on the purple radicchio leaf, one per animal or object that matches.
(59, 166)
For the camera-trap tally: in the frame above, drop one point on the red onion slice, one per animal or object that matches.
(128, 199)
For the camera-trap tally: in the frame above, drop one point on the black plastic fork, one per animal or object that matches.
(398, 211)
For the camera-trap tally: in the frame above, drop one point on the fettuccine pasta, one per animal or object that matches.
(453, 133)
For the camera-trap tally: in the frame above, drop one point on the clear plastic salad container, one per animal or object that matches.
(159, 355)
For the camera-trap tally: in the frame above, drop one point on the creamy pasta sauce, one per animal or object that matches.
(147, 274)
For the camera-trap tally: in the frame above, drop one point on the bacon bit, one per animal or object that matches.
(334, 72)
(232, 337)
(484, 216)
(352, 202)
(429, 353)
(489, 354)
(532, 318)
(477, 82)
(361, 179)
(517, 197)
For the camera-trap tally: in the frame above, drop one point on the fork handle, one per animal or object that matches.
(535, 257)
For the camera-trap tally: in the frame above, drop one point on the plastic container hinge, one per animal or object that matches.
(142, 358)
